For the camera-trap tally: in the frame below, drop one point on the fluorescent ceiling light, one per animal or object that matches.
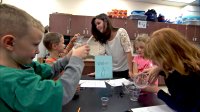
(183, 1)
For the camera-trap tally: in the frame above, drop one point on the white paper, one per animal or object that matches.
(142, 24)
(118, 82)
(160, 108)
(92, 83)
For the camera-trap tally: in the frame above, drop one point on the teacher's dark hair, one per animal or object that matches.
(102, 37)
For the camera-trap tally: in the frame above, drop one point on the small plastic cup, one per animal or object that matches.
(104, 101)
(134, 93)
(79, 41)
(141, 80)
(125, 88)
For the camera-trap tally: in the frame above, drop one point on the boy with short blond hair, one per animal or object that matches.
(27, 86)
(54, 43)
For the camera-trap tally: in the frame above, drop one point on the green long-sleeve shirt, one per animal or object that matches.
(31, 89)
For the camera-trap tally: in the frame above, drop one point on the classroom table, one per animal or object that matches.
(89, 100)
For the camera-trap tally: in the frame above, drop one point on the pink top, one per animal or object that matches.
(142, 63)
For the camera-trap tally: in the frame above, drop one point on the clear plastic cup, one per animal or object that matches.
(141, 80)
(125, 88)
(104, 101)
(134, 93)
(79, 41)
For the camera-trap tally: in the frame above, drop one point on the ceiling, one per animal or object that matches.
(170, 3)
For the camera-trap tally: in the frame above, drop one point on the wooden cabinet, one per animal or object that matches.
(161, 25)
(81, 24)
(59, 22)
(142, 30)
(88, 68)
(182, 29)
(71, 24)
(174, 26)
(88, 25)
(118, 23)
(197, 34)
(193, 33)
(129, 25)
(190, 33)
(131, 28)
(152, 26)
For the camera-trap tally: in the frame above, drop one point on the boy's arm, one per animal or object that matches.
(72, 67)
(72, 71)
(59, 66)
(49, 72)
(26, 91)
(44, 70)
(71, 77)
(33, 92)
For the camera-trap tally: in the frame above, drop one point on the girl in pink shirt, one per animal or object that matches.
(139, 63)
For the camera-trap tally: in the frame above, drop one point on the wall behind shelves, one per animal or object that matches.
(42, 8)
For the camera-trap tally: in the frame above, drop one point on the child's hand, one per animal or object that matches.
(153, 74)
(74, 38)
(91, 74)
(130, 73)
(151, 89)
(81, 51)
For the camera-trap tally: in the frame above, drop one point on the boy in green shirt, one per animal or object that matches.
(27, 86)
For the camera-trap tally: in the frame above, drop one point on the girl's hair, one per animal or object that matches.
(172, 51)
(102, 37)
(50, 39)
(142, 38)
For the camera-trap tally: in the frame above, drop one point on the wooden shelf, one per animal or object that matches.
(89, 67)
(67, 24)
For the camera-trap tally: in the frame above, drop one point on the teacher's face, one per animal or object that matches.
(99, 25)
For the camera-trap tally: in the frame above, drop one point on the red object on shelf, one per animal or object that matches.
(115, 13)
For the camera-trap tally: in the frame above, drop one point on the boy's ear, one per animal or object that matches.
(54, 46)
(8, 42)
